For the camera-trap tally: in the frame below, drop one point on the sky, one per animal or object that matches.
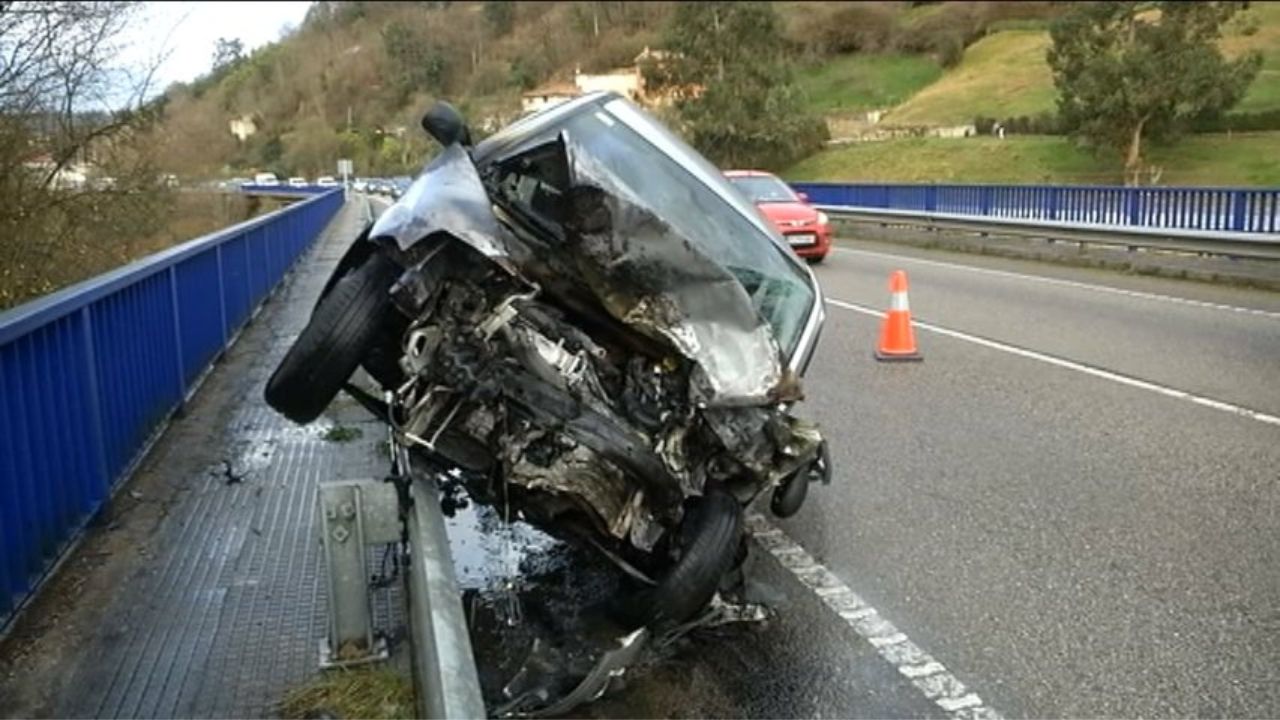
(189, 30)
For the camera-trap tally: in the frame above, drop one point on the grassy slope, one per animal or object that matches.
(1005, 74)
(865, 82)
(1264, 93)
(1197, 160)
(1001, 75)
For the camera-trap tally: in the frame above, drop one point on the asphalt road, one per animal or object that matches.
(1065, 543)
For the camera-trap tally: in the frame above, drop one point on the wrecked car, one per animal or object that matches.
(581, 319)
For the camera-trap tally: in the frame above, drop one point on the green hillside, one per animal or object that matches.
(1264, 94)
(852, 83)
(1005, 74)
(1002, 75)
(1242, 159)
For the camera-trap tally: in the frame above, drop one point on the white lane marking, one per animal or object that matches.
(1078, 367)
(1070, 283)
(924, 671)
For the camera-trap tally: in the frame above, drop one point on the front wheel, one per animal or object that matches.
(343, 327)
(708, 543)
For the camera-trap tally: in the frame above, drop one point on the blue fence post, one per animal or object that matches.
(177, 333)
(1238, 201)
(94, 393)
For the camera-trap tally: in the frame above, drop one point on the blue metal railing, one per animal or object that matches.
(284, 189)
(1254, 210)
(89, 374)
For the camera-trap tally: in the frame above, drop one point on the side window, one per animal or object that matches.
(536, 180)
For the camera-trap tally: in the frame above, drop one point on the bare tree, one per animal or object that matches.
(64, 102)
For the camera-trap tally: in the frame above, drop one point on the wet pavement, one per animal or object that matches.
(801, 662)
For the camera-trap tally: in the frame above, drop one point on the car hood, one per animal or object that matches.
(639, 268)
(784, 212)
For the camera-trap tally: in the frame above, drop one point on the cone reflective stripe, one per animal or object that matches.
(897, 338)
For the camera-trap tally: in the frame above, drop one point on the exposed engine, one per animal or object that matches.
(584, 430)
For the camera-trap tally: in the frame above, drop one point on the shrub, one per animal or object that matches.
(1040, 124)
(1238, 122)
(860, 27)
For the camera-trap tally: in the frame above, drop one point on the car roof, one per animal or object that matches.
(747, 173)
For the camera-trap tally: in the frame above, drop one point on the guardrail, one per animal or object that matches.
(90, 374)
(287, 190)
(1204, 242)
(1243, 210)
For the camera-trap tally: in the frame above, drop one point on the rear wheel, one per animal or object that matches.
(343, 328)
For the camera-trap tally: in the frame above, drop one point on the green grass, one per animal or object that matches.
(1242, 159)
(342, 433)
(1264, 93)
(851, 83)
(1005, 74)
(1002, 75)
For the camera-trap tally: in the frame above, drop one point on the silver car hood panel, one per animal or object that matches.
(643, 272)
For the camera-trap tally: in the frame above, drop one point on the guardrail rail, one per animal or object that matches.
(90, 375)
(1241, 210)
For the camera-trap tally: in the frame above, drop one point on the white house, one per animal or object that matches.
(243, 127)
(546, 96)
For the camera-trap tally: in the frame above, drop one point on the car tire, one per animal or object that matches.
(817, 259)
(343, 327)
(790, 495)
(710, 537)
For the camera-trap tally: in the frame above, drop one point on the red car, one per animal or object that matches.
(804, 227)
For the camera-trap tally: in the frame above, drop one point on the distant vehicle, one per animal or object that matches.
(806, 229)
(265, 179)
(326, 181)
(360, 185)
(297, 182)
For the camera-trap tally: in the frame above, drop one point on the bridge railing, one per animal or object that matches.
(90, 374)
(285, 189)
(1252, 210)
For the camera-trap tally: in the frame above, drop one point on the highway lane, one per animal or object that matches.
(1218, 351)
(1067, 545)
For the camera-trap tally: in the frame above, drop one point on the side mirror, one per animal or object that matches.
(444, 123)
(803, 196)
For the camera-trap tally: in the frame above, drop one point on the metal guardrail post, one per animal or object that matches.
(353, 515)
(443, 664)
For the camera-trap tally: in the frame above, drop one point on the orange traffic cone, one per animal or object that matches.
(897, 339)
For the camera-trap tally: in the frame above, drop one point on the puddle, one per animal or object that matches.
(487, 552)
(537, 607)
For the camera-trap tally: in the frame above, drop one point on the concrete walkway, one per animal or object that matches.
(198, 592)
